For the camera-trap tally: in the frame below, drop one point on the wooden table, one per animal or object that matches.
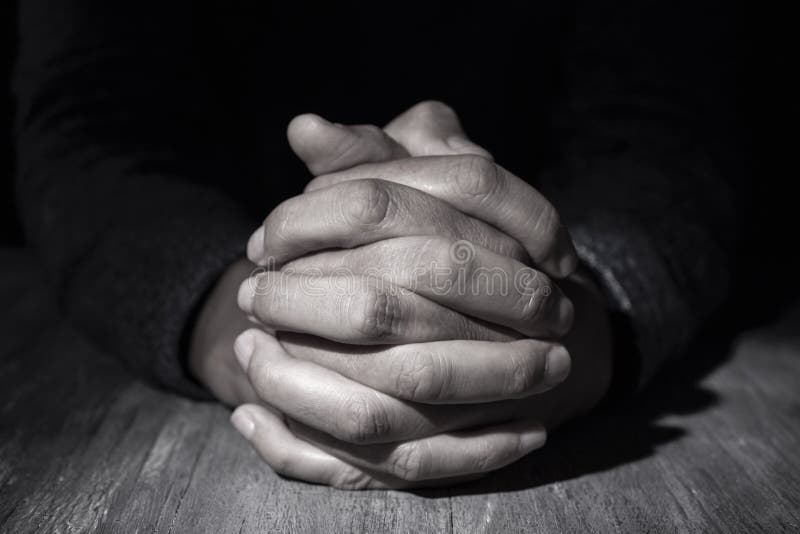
(86, 447)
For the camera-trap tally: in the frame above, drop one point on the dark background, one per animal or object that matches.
(766, 54)
(9, 226)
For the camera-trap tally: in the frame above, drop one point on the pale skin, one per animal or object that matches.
(420, 385)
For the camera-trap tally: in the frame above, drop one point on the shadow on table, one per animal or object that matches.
(629, 432)
(618, 434)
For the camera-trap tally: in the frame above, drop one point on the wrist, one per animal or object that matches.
(590, 342)
(211, 361)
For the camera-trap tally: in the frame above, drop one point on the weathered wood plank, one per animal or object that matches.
(84, 447)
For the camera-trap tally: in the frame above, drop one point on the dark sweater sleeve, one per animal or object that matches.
(646, 179)
(113, 154)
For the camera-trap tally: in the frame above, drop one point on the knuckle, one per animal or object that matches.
(365, 421)
(281, 462)
(533, 298)
(436, 261)
(513, 249)
(518, 446)
(485, 458)
(264, 299)
(409, 461)
(366, 203)
(246, 294)
(350, 478)
(531, 307)
(474, 176)
(417, 377)
(380, 314)
(524, 373)
(278, 225)
(546, 225)
(262, 376)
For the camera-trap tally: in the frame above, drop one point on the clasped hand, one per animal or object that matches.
(410, 310)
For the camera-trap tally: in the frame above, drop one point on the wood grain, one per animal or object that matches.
(85, 447)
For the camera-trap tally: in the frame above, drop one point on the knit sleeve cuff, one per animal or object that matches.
(138, 291)
(648, 315)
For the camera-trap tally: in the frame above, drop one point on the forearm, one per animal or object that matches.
(110, 157)
(646, 183)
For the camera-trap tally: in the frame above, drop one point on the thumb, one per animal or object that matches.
(432, 128)
(326, 147)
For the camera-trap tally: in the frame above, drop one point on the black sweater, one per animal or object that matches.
(150, 142)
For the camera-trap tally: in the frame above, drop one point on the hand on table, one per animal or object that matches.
(337, 396)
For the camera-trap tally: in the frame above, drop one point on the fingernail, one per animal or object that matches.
(534, 437)
(243, 422)
(243, 347)
(568, 264)
(567, 256)
(255, 245)
(322, 121)
(566, 313)
(557, 366)
(244, 299)
(560, 312)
